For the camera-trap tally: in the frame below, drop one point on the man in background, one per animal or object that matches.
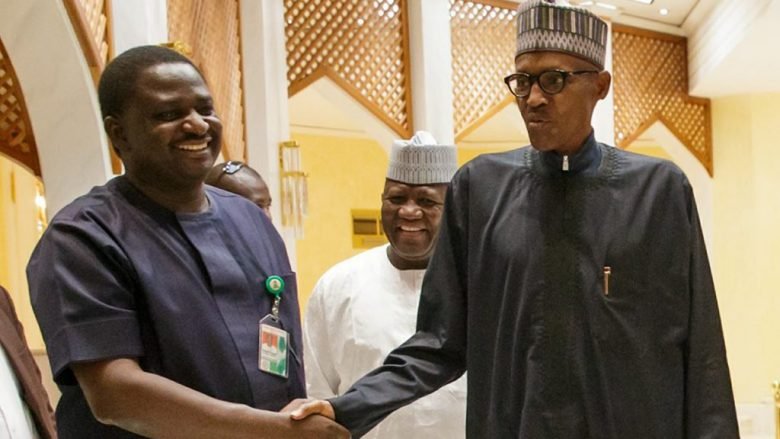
(239, 178)
(365, 306)
(168, 307)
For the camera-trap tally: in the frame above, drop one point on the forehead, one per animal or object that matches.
(170, 78)
(397, 186)
(255, 183)
(548, 60)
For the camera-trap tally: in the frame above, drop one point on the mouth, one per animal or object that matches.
(411, 229)
(193, 147)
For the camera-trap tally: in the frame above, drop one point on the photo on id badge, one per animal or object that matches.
(273, 350)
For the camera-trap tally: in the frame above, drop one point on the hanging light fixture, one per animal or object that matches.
(40, 208)
(776, 387)
(294, 193)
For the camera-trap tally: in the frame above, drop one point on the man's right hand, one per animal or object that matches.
(300, 409)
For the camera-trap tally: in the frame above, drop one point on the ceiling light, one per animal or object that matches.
(664, 11)
(606, 6)
(647, 2)
(586, 3)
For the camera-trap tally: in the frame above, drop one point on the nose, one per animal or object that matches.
(536, 97)
(410, 210)
(196, 123)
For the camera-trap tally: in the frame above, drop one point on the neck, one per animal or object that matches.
(402, 263)
(179, 200)
(574, 149)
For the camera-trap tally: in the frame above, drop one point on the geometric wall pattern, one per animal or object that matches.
(91, 24)
(483, 46)
(361, 45)
(210, 32)
(650, 80)
(16, 136)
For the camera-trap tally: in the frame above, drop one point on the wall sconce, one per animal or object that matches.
(776, 386)
(294, 193)
(179, 46)
(40, 208)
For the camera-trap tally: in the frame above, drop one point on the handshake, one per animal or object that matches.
(305, 410)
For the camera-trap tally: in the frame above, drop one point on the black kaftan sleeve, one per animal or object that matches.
(436, 354)
(709, 401)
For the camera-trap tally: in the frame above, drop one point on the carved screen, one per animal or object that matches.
(90, 21)
(16, 136)
(211, 30)
(483, 40)
(650, 73)
(362, 45)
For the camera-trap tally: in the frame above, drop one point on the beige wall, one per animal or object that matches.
(652, 151)
(18, 236)
(344, 174)
(746, 256)
(466, 153)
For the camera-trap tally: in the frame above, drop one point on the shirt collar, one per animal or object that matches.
(587, 159)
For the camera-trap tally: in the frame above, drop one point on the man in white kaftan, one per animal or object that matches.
(365, 306)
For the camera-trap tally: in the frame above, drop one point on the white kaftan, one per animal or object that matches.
(360, 310)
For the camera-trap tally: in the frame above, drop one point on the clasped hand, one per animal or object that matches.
(302, 408)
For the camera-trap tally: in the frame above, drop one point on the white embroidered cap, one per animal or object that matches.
(420, 160)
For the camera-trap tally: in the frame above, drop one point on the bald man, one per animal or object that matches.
(237, 177)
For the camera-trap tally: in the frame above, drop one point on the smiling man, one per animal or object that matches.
(154, 292)
(365, 306)
(570, 278)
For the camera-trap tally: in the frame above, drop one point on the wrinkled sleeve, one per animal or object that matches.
(436, 354)
(322, 378)
(81, 290)
(709, 404)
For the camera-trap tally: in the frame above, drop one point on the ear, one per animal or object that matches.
(116, 133)
(602, 83)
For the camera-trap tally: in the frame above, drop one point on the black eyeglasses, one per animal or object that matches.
(550, 81)
(232, 166)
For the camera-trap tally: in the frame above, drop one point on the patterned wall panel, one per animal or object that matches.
(362, 45)
(90, 21)
(16, 136)
(483, 44)
(650, 73)
(210, 29)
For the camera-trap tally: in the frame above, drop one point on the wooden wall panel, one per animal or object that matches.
(362, 45)
(210, 30)
(650, 72)
(16, 137)
(483, 45)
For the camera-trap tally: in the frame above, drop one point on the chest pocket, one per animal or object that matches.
(637, 304)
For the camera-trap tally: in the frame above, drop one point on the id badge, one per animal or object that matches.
(274, 348)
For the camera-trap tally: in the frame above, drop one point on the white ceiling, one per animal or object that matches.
(628, 10)
(732, 51)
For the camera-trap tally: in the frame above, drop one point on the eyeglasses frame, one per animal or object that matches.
(535, 79)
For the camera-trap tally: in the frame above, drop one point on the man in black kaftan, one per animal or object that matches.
(570, 278)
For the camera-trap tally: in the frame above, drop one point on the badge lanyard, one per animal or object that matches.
(274, 341)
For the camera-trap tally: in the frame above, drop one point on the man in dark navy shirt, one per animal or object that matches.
(168, 307)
